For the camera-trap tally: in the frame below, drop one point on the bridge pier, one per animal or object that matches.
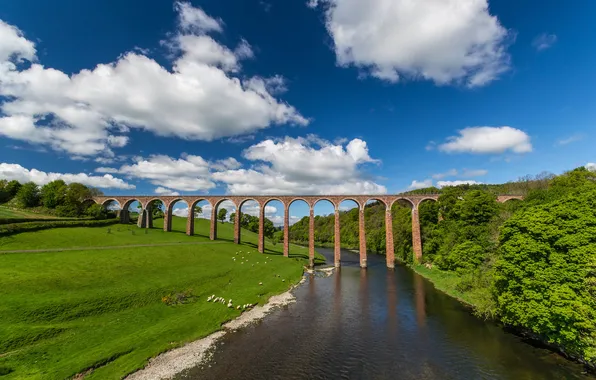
(311, 238)
(213, 226)
(389, 248)
(287, 230)
(142, 220)
(416, 238)
(362, 233)
(167, 221)
(261, 243)
(124, 216)
(190, 222)
(337, 245)
(237, 230)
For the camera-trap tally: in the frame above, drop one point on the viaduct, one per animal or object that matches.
(145, 216)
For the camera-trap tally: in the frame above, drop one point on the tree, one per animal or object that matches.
(53, 194)
(28, 195)
(232, 218)
(221, 214)
(198, 210)
(545, 278)
(12, 188)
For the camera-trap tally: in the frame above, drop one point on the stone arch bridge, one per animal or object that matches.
(145, 216)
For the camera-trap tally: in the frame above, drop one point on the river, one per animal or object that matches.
(377, 324)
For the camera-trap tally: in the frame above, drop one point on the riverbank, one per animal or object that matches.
(446, 282)
(104, 312)
(174, 362)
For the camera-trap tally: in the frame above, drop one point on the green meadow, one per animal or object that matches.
(105, 313)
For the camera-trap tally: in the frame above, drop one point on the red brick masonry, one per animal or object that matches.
(388, 200)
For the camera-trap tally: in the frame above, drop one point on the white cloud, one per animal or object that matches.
(469, 173)
(446, 41)
(488, 140)
(456, 183)
(197, 99)
(544, 41)
(195, 20)
(571, 139)
(13, 45)
(188, 173)
(21, 174)
(421, 184)
(591, 166)
(302, 166)
(228, 163)
(163, 191)
(449, 173)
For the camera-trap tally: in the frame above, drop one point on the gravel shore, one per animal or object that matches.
(173, 362)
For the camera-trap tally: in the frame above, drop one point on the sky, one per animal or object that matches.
(293, 96)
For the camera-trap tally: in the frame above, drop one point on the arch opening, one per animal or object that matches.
(248, 213)
(374, 226)
(401, 212)
(176, 216)
(221, 227)
(349, 232)
(199, 215)
(324, 232)
(273, 242)
(298, 219)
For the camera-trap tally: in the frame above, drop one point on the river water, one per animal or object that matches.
(377, 324)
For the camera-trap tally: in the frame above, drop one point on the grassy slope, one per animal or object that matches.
(6, 212)
(64, 312)
(447, 283)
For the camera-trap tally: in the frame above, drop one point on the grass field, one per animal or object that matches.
(62, 313)
(6, 212)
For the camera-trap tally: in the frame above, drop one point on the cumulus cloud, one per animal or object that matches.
(302, 166)
(449, 173)
(163, 191)
(446, 41)
(544, 41)
(88, 113)
(488, 140)
(421, 184)
(21, 174)
(591, 166)
(441, 184)
(188, 173)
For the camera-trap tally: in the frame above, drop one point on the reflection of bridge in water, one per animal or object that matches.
(146, 219)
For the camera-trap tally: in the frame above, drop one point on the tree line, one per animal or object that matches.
(530, 264)
(55, 198)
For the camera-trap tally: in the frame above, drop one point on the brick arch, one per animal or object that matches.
(149, 200)
(194, 202)
(354, 199)
(267, 200)
(298, 199)
(129, 201)
(403, 199)
(170, 205)
(376, 199)
(507, 198)
(244, 200)
(219, 201)
(325, 199)
(106, 201)
(425, 199)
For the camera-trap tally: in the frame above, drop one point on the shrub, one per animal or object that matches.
(15, 228)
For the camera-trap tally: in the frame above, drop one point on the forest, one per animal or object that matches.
(529, 264)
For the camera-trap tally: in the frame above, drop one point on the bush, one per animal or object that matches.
(28, 195)
(15, 228)
(27, 220)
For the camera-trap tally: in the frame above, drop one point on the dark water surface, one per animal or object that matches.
(377, 324)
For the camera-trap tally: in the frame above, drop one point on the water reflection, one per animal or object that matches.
(377, 324)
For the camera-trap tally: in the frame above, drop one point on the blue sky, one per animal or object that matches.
(264, 96)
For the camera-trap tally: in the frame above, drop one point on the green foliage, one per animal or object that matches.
(53, 194)
(28, 195)
(221, 214)
(544, 279)
(9, 229)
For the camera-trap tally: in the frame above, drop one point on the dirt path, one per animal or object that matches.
(108, 247)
